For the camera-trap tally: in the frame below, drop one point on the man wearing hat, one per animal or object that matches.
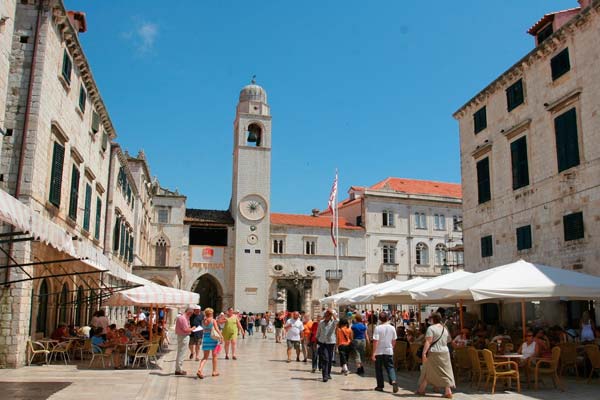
(183, 330)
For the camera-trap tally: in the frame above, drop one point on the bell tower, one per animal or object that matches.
(250, 200)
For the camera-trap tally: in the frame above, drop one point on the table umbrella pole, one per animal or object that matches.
(523, 318)
(150, 336)
(460, 313)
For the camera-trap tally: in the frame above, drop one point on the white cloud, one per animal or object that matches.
(143, 36)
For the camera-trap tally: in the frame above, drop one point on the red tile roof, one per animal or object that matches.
(414, 186)
(309, 221)
(548, 18)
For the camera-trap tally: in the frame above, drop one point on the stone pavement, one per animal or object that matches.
(259, 373)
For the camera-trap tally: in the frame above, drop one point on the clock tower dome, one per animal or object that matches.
(250, 200)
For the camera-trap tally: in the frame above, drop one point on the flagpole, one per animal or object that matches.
(337, 226)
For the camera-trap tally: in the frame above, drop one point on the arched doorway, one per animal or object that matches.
(210, 293)
(42, 313)
(295, 299)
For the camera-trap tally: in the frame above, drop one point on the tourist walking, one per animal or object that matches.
(326, 341)
(384, 341)
(293, 335)
(196, 337)
(305, 339)
(263, 325)
(211, 339)
(360, 339)
(313, 346)
(230, 333)
(183, 330)
(437, 366)
(344, 343)
(251, 321)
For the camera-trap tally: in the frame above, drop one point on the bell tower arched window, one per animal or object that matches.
(254, 135)
(161, 252)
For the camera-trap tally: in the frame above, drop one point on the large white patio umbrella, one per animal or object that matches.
(393, 294)
(364, 296)
(348, 293)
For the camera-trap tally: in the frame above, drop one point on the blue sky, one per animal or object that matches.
(365, 87)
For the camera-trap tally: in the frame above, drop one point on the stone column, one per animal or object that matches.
(308, 299)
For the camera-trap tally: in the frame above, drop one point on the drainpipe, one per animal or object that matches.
(109, 195)
(26, 122)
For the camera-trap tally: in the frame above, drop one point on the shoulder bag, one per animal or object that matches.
(420, 350)
(214, 334)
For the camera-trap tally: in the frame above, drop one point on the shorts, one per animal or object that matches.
(195, 340)
(293, 344)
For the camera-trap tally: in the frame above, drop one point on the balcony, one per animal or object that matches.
(334, 274)
(390, 268)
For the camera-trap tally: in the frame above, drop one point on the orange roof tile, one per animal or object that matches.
(548, 18)
(414, 186)
(309, 221)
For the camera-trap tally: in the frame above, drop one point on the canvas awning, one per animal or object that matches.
(364, 297)
(516, 282)
(152, 294)
(348, 293)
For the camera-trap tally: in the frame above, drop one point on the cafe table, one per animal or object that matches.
(48, 343)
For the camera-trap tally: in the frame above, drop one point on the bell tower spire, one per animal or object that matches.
(250, 201)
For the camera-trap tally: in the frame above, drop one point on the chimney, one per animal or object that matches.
(77, 19)
(584, 3)
(315, 212)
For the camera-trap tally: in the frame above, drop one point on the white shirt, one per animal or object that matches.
(295, 328)
(528, 350)
(141, 316)
(384, 334)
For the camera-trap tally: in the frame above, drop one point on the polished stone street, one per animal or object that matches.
(259, 373)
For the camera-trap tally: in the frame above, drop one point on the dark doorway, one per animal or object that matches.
(294, 299)
(209, 290)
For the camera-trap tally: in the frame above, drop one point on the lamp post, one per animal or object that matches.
(445, 268)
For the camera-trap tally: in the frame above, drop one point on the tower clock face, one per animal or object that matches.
(253, 207)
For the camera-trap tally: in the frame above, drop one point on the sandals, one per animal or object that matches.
(215, 374)
(234, 357)
(199, 375)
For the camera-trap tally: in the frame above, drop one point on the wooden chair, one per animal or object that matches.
(415, 360)
(463, 362)
(593, 353)
(400, 354)
(36, 348)
(61, 349)
(551, 368)
(494, 373)
(478, 369)
(98, 352)
(568, 357)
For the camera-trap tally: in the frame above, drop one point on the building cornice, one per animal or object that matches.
(71, 38)
(399, 195)
(546, 48)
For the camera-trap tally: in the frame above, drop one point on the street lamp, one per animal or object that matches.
(445, 268)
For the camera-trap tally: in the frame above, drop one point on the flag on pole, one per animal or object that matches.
(332, 207)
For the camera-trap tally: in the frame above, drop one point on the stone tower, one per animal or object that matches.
(250, 200)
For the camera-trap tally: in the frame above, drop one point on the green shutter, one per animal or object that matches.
(67, 66)
(131, 248)
(483, 180)
(74, 193)
(88, 206)
(58, 158)
(98, 217)
(520, 167)
(116, 234)
(95, 122)
(567, 145)
(122, 246)
(82, 98)
(104, 141)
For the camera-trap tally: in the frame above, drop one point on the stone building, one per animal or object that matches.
(530, 155)
(412, 227)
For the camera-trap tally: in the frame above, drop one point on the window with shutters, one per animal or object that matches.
(104, 144)
(567, 140)
(82, 98)
(58, 158)
(389, 253)
(440, 254)
(487, 248)
(117, 234)
(67, 67)
(483, 180)
(95, 122)
(131, 241)
(439, 222)
(278, 246)
(422, 254)
(98, 218)
(514, 95)
(560, 64)
(87, 207)
(74, 193)
(123, 237)
(520, 167)
(161, 252)
(545, 33)
(524, 237)
(573, 226)
(479, 120)
(387, 218)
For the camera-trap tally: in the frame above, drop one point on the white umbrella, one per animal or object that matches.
(393, 294)
(348, 293)
(441, 288)
(365, 296)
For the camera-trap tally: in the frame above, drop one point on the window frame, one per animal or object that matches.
(82, 98)
(440, 247)
(165, 211)
(566, 138)
(388, 253)
(67, 67)
(56, 173)
(524, 238)
(560, 64)
(310, 246)
(479, 120)
(421, 254)
(515, 95)
(568, 225)
(387, 218)
(519, 167)
(487, 246)
(87, 210)
(278, 246)
(483, 196)
(74, 193)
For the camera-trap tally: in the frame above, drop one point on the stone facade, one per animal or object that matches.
(542, 184)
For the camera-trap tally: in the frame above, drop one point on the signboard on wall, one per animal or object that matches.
(207, 256)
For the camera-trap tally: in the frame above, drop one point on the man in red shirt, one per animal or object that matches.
(183, 330)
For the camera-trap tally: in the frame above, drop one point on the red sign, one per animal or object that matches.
(208, 252)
